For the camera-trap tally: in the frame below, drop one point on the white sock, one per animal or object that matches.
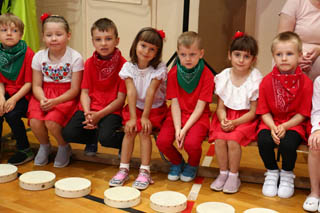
(225, 172)
(273, 170)
(125, 165)
(286, 172)
(233, 174)
(145, 167)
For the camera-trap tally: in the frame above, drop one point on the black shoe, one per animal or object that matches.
(91, 149)
(21, 157)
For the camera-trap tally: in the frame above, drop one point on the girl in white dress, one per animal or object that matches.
(234, 123)
(145, 77)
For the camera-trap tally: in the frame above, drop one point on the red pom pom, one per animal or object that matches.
(161, 33)
(44, 16)
(238, 34)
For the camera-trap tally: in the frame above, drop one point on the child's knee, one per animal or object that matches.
(52, 126)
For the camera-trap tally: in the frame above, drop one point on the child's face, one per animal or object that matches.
(145, 53)
(55, 36)
(241, 60)
(10, 35)
(104, 42)
(189, 56)
(286, 56)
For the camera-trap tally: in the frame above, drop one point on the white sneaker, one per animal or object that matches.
(286, 187)
(270, 185)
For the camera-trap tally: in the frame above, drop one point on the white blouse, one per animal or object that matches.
(58, 71)
(315, 113)
(142, 79)
(237, 98)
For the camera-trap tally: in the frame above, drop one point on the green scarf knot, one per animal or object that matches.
(11, 60)
(188, 79)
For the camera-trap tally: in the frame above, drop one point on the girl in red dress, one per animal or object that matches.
(145, 77)
(57, 74)
(234, 123)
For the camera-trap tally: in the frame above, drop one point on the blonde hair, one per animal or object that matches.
(188, 38)
(8, 18)
(287, 36)
(56, 19)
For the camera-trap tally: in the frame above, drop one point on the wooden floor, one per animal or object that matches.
(15, 199)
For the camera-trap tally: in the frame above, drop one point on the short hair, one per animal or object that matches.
(56, 19)
(104, 24)
(188, 38)
(149, 35)
(245, 43)
(8, 18)
(287, 36)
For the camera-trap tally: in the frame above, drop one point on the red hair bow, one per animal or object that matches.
(238, 34)
(161, 33)
(44, 16)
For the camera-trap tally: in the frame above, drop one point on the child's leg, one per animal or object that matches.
(221, 151)
(108, 133)
(288, 150)
(144, 179)
(165, 141)
(266, 149)
(39, 130)
(127, 148)
(234, 156)
(232, 184)
(62, 158)
(14, 119)
(192, 145)
(314, 172)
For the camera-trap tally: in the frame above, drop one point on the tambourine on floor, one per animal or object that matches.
(8, 173)
(37, 180)
(122, 197)
(72, 187)
(215, 207)
(168, 201)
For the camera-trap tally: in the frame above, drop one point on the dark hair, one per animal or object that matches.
(56, 19)
(287, 36)
(104, 24)
(149, 35)
(245, 43)
(8, 18)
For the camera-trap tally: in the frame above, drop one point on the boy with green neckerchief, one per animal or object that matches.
(15, 83)
(190, 88)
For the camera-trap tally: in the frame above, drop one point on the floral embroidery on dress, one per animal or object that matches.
(56, 73)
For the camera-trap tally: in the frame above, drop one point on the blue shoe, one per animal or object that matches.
(91, 149)
(175, 171)
(189, 173)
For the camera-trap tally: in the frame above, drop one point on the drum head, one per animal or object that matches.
(168, 201)
(8, 173)
(122, 197)
(37, 180)
(72, 187)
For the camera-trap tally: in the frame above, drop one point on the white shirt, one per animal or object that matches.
(142, 79)
(315, 112)
(58, 71)
(237, 98)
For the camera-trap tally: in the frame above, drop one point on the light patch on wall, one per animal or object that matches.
(124, 1)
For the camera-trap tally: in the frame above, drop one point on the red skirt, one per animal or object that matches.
(60, 113)
(156, 117)
(242, 134)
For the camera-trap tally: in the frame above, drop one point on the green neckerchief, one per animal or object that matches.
(188, 79)
(11, 60)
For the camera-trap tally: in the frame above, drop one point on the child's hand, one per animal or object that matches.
(314, 140)
(47, 104)
(281, 131)
(305, 64)
(94, 117)
(313, 54)
(87, 123)
(274, 135)
(131, 126)
(146, 126)
(182, 136)
(178, 140)
(227, 125)
(9, 105)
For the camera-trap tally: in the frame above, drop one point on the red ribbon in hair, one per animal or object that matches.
(238, 34)
(44, 16)
(161, 33)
